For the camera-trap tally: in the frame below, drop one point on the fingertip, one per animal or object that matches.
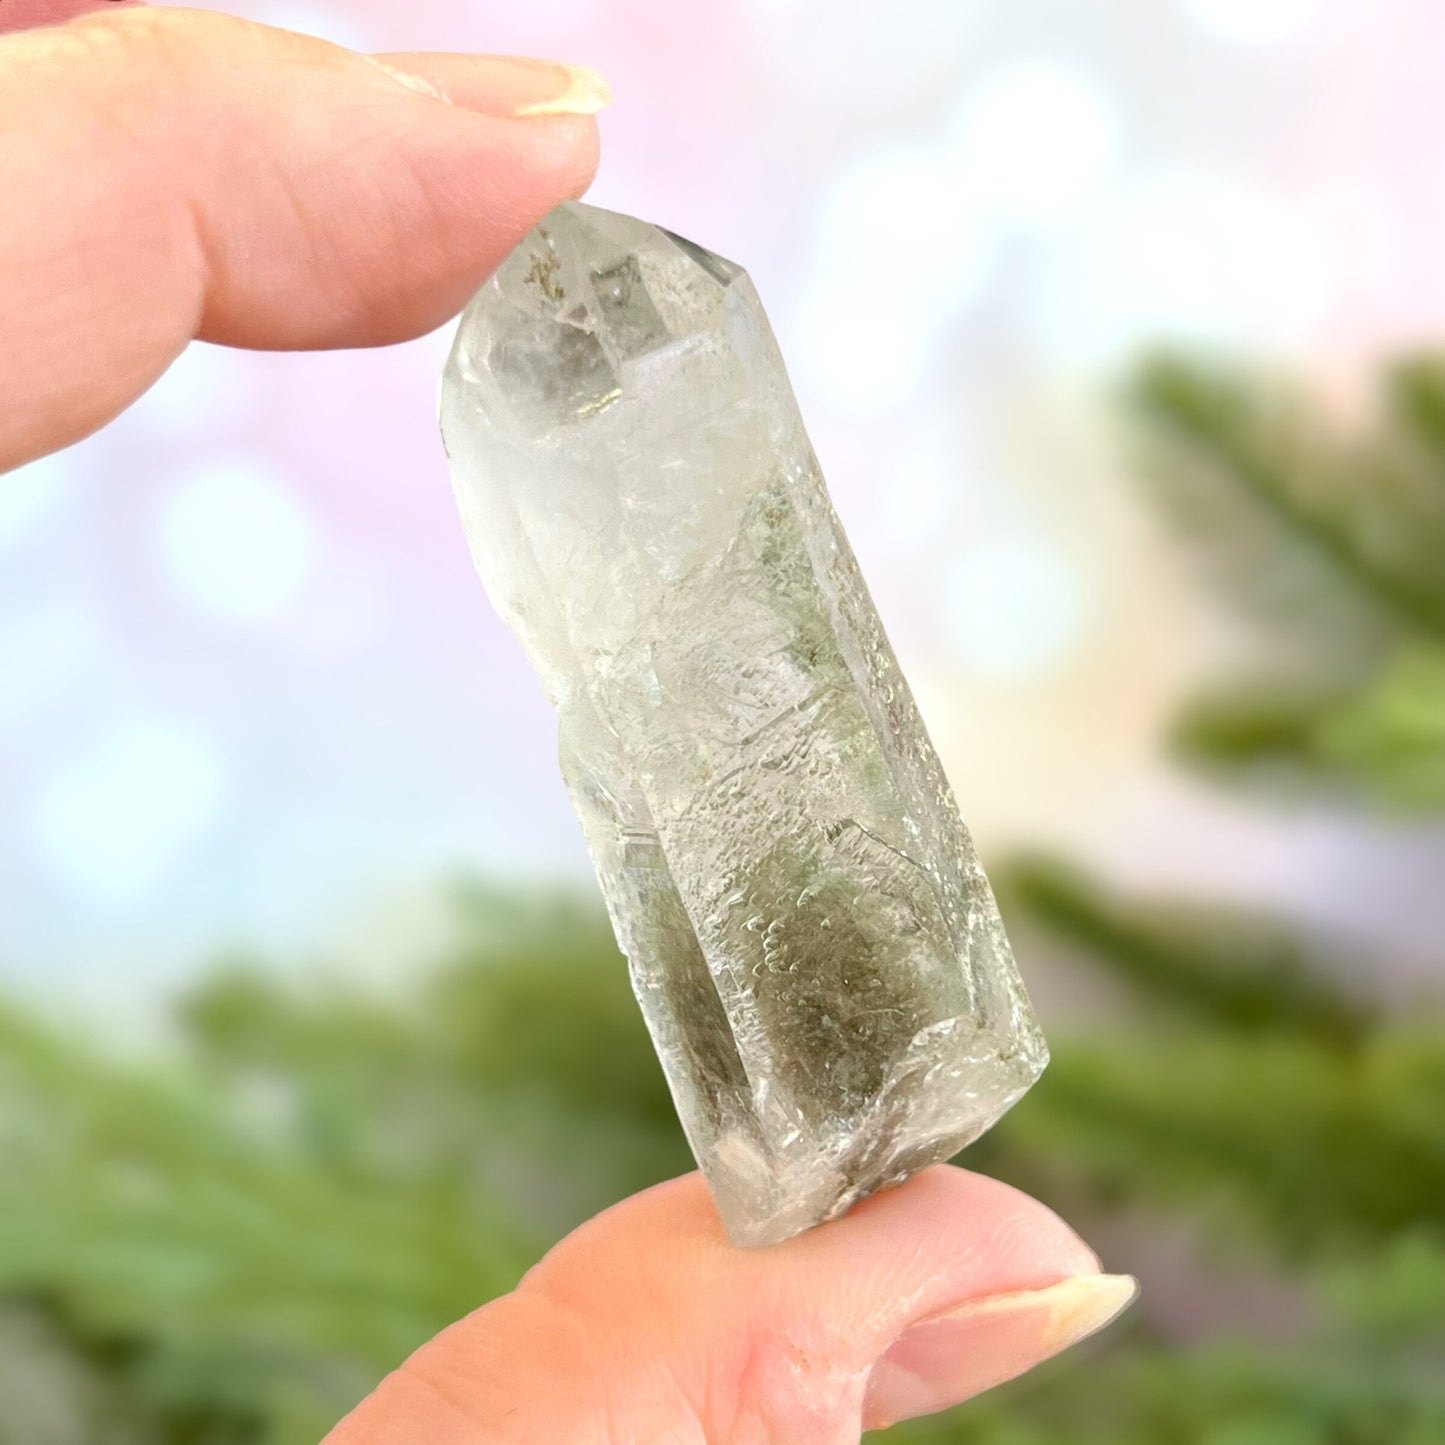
(570, 151)
(416, 213)
(946, 1236)
(992, 1236)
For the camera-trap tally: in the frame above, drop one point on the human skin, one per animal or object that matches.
(169, 175)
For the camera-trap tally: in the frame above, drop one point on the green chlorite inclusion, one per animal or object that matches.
(812, 940)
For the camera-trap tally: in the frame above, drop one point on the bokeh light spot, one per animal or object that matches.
(872, 55)
(897, 256)
(1184, 257)
(236, 542)
(32, 494)
(116, 819)
(925, 476)
(46, 658)
(902, 221)
(869, 357)
(1036, 139)
(1014, 607)
(1252, 21)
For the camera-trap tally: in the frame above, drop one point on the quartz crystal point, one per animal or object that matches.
(810, 935)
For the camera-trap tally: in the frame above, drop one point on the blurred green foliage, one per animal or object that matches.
(1329, 545)
(231, 1245)
(235, 1247)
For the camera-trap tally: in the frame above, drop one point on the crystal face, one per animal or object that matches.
(810, 935)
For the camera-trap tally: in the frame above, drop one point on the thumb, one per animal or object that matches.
(647, 1325)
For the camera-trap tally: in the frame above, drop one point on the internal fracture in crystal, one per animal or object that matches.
(814, 945)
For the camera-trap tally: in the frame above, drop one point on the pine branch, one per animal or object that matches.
(1391, 738)
(1384, 741)
(143, 1207)
(1240, 973)
(114, 1389)
(1258, 726)
(1394, 1296)
(1206, 418)
(1416, 392)
(1323, 1152)
(1142, 1392)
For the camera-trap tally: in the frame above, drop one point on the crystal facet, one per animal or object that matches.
(810, 935)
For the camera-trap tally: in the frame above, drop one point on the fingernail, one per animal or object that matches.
(413, 82)
(584, 91)
(500, 85)
(951, 1357)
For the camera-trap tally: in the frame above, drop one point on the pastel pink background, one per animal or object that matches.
(251, 692)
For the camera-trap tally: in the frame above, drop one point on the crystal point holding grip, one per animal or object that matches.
(813, 943)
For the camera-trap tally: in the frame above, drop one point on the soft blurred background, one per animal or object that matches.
(1112, 324)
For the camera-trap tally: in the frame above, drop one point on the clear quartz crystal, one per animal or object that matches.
(811, 937)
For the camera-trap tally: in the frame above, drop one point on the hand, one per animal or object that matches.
(168, 175)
